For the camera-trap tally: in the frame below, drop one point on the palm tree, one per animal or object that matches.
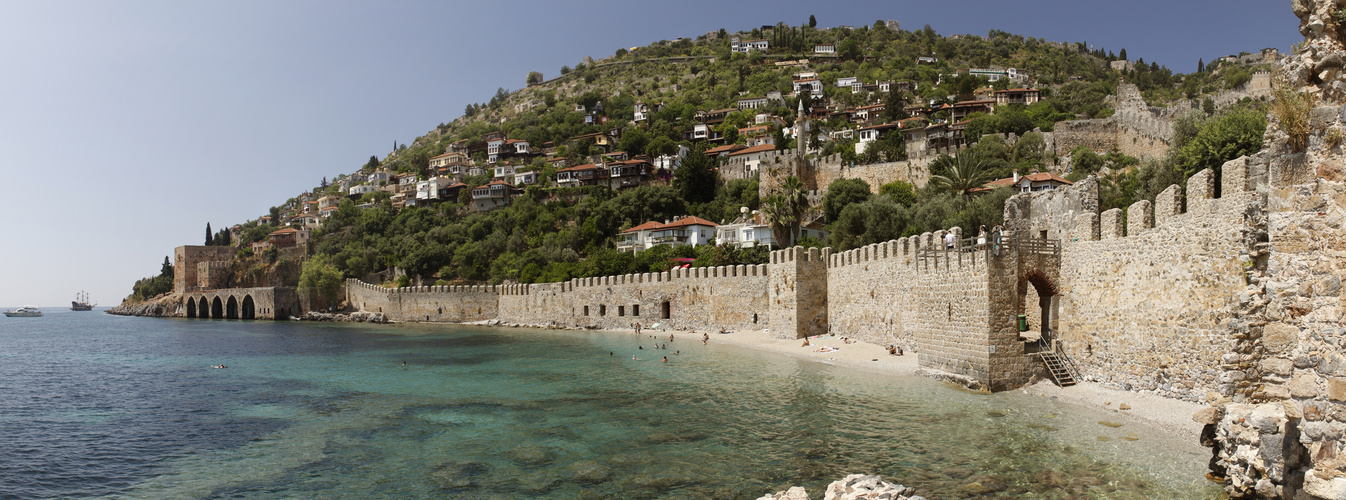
(964, 172)
(779, 217)
(797, 199)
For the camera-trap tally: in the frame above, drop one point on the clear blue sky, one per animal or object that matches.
(126, 126)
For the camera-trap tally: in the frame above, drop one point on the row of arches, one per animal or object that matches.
(217, 308)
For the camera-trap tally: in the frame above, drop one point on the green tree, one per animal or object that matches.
(963, 172)
(696, 176)
(534, 78)
(1122, 55)
(166, 269)
(320, 278)
(813, 21)
(900, 191)
(1221, 139)
(841, 193)
(849, 50)
(373, 163)
(210, 237)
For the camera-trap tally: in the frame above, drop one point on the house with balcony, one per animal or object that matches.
(745, 46)
(1017, 96)
(451, 192)
(756, 136)
(581, 175)
(523, 177)
(813, 86)
(959, 111)
(683, 231)
(752, 102)
(847, 81)
(378, 178)
(825, 49)
(503, 172)
(644, 110)
(492, 195)
(328, 201)
(629, 173)
(429, 190)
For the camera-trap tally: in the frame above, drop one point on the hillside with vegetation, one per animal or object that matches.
(550, 232)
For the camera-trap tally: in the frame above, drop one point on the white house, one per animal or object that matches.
(528, 178)
(814, 85)
(745, 46)
(847, 81)
(361, 189)
(871, 134)
(378, 178)
(825, 49)
(686, 231)
(752, 103)
(746, 232)
(504, 172)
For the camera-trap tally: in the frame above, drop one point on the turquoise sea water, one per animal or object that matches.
(93, 405)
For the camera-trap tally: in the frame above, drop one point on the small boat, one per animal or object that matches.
(25, 312)
(81, 302)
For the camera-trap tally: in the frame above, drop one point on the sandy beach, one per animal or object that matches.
(1171, 415)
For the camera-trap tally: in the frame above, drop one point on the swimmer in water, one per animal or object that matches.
(665, 359)
(404, 363)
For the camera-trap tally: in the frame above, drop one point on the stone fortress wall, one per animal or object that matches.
(707, 298)
(1145, 295)
(426, 303)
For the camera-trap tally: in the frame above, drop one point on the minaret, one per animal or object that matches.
(801, 129)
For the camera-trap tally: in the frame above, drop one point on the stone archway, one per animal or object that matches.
(231, 308)
(216, 308)
(249, 309)
(1037, 300)
(191, 307)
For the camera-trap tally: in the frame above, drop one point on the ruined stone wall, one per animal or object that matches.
(425, 303)
(705, 298)
(776, 166)
(186, 259)
(1146, 308)
(1135, 128)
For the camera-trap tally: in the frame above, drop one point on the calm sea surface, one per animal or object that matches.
(93, 405)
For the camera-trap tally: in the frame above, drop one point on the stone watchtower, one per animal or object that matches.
(797, 294)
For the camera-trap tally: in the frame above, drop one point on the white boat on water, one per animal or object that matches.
(24, 312)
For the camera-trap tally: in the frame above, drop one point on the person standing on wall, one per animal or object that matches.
(949, 240)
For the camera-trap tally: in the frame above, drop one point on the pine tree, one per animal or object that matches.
(166, 269)
(209, 236)
(1122, 55)
(1200, 65)
(813, 21)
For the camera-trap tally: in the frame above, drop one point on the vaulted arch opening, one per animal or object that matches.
(231, 308)
(1038, 301)
(191, 307)
(216, 308)
(249, 308)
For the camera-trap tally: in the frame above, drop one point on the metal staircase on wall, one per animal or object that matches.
(1061, 370)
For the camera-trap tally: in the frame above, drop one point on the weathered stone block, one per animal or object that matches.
(1278, 366)
(1234, 176)
(1110, 224)
(1336, 389)
(1200, 189)
(1280, 337)
(1086, 227)
(1167, 205)
(1304, 385)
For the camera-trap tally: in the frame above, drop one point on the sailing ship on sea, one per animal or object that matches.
(81, 302)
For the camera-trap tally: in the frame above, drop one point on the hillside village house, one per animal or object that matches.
(685, 231)
(1036, 181)
(847, 81)
(826, 48)
(378, 178)
(814, 86)
(492, 195)
(1016, 96)
(581, 175)
(628, 174)
(751, 230)
(872, 134)
(745, 46)
(752, 102)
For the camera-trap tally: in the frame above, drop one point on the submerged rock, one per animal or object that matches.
(858, 487)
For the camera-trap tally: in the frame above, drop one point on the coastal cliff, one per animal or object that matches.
(162, 306)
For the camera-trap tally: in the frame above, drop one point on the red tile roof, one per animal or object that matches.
(579, 167)
(688, 221)
(282, 232)
(725, 148)
(755, 149)
(643, 227)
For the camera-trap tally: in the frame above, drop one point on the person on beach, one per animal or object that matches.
(806, 342)
(670, 337)
(705, 337)
(637, 328)
(722, 330)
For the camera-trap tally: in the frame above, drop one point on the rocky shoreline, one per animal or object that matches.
(852, 487)
(161, 307)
